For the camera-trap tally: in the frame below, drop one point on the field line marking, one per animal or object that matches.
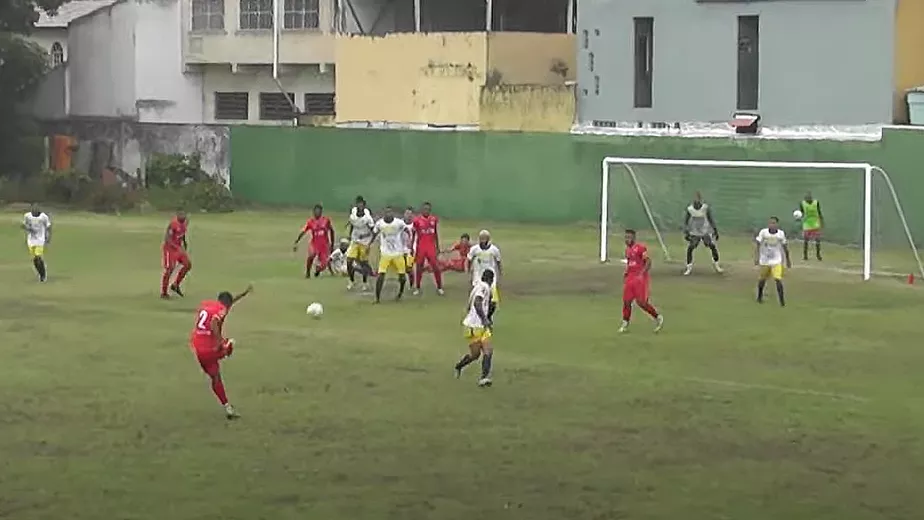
(773, 388)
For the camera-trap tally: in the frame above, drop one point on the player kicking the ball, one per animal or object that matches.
(769, 251)
(636, 284)
(174, 251)
(210, 346)
(699, 226)
(477, 323)
(322, 241)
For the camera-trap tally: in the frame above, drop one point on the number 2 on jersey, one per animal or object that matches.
(203, 322)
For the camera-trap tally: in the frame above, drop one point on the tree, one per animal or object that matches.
(22, 66)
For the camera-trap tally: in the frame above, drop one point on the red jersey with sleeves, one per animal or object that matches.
(176, 233)
(425, 228)
(318, 227)
(636, 254)
(202, 338)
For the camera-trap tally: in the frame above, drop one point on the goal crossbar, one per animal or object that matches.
(628, 162)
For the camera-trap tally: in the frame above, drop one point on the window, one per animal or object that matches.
(644, 59)
(320, 104)
(276, 106)
(748, 62)
(208, 15)
(57, 54)
(301, 14)
(232, 106)
(256, 14)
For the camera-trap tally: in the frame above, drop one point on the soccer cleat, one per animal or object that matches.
(717, 268)
(688, 270)
(231, 413)
(176, 288)
(485, 382)
(440, 292)
(164, 296)
(457, 372)
(416, 292)
(365, 288)
(624, 327)
(349, 286)
(659, 323)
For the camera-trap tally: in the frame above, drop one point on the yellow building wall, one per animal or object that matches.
(909, 53)
(527, 108)
(532, 58)
(431, 78)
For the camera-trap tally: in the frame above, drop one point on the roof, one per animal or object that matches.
(71, 11)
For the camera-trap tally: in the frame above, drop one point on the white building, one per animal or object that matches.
(190, 61)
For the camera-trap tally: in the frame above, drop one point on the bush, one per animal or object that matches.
(173, 171)
(208, 195)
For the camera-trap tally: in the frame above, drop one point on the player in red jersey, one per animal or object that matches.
(209, 344)
(173, 253)
(322, 241)
(427, 246)
(459, 255)
(636, 284)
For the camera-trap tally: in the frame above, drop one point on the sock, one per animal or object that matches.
(39, 264)
(760, 289)
(649, 308)
(715, 252)
(351, 271)
(418, 277)
(437, 277)
(164, 281)
(465, 361)
(379, 283)
(402, 280)
(818, 249)
(690, 249)
(486, 364)
(805, 250)
(182, 274)
(366, 270)
(218, 388)
(308, 264)
(779, 292)
(626, 311)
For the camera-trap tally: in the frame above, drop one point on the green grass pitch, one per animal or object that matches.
(735, 411)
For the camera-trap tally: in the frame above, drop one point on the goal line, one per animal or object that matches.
(662, 188)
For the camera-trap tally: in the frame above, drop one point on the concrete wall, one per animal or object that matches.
(49, 101)
(524, 58)
(537, 108)
(821, 62)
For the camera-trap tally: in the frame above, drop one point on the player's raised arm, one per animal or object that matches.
(240, 296)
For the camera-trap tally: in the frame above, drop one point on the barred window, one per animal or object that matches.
(57, 54)
(232, 106)
(256, 14)
(276, 106)
(321, 104)
(208, 15)
(301, 14)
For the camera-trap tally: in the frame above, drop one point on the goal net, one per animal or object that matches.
(865, 230)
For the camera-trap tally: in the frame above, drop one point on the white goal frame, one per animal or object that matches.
(628, 162)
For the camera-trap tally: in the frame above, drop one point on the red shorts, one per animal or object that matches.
(453, 264)
(171, 257)
(635, 288)
(321, 252)
(811, 234)
(428, 255)
(209, 359)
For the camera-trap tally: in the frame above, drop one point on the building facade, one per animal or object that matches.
(793, 62)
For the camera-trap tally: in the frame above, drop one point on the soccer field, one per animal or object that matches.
(735, 411)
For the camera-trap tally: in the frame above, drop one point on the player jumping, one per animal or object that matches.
(360, 224)
(637, 282)
(478, 324)
(210, 346)
(426, 247)
(769, 251)
(391, 252)
(175, 252)
(37, 225)
(812, 222)
(485, 256)
(322, 241)
(699, 226)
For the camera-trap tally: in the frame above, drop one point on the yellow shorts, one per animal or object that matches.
(358, 251)
(36, 251)
(392, 262)
(477, 334)
(408, 261)
(771, 271)
(495, 295)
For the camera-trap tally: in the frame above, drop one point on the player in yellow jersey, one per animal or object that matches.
(769, 252)
(812, 222)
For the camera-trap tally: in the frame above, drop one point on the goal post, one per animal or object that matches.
(653, 194)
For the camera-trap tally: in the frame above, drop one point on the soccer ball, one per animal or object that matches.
(797, 215)
(315, 310)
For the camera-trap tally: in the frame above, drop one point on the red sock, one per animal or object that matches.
(438, 276)
(182, 274)
(649, 308)
(418, 276)
(626, 311)
(218, 388)
(165, 281)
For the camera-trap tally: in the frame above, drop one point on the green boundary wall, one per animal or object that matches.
(527, 177)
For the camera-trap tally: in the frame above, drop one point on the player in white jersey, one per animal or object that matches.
(699, 226)
(769, 252)
(37, 226)
(484, 256)
(478, 324)
(392, 251)
(361, 224)
(337, 263)
(409, 242)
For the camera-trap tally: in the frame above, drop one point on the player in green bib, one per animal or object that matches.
(812, 222)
